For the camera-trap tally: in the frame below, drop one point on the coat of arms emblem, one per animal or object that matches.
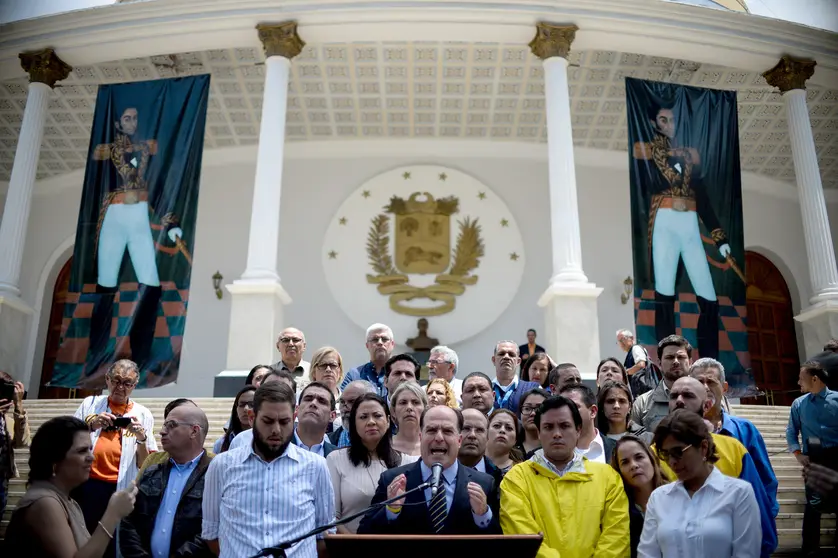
(422, 236)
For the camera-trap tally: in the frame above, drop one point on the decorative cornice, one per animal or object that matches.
(280, 39)
(790, 73)
(44, 66)
(552, 40)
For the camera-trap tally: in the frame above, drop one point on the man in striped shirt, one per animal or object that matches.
(270, 491)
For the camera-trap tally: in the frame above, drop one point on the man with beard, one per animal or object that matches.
(380, 345)
(477, 392)
(734, 460)
(465, 500)
(579, 506)
(508, 389)
(674, 354)
(473, 449)
(269, 492)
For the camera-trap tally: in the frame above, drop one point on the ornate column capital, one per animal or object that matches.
(790, 73)
(44, 66)
(552, 40)
(280, 39)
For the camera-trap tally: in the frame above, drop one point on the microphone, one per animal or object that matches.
(436, 473)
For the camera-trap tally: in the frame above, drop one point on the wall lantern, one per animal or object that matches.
(216, 284)
(628, 289)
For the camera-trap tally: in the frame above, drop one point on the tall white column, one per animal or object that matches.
(44, 69)
(820, 320)
(570, 300)
(258, 296)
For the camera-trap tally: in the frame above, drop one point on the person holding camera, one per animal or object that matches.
(14, 431)
(121, 433)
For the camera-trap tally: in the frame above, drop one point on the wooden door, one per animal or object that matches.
(772, 341)
(56, 318)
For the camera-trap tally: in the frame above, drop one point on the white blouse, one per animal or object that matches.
(721, 520)
(355, 486)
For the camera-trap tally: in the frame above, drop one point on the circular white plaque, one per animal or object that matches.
(424, 241)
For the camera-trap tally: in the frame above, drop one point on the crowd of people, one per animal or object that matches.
(631, 468)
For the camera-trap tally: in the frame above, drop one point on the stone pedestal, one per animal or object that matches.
(820, 324)
(14, 327)
(572, 327)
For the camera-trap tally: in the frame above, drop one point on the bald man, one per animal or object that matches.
(291, 345)
(168, 522)
(734, 460)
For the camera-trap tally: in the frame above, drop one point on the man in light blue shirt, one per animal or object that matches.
(166, 520)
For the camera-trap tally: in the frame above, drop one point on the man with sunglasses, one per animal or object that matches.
(291, 345)
(167, 515)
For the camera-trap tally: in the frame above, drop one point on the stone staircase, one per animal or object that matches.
(771, 422)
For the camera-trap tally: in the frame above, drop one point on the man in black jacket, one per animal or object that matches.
(466, 502)
(167, 516)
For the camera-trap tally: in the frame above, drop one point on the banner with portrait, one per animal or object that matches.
(686, 214)
(132, 262)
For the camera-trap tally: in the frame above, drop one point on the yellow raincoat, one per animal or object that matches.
(581, 514)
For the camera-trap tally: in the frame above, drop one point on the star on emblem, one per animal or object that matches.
(333, 255)
(514, 256)
(366, 193)
(481, 195)
(443, 176)
(406, 175)
(342, 220)
(504, 223)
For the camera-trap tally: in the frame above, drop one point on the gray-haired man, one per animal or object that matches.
(443, 364)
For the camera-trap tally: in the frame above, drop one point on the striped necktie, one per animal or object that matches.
(438, 508)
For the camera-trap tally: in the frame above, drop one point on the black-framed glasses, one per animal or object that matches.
(529, 409)
(674, 454)
(290, 340)
(323, 366)
(127, 384)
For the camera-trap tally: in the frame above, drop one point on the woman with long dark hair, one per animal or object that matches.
(47, 522)
(258, 374)
(239, 419)
(529, 441)
(614, 402)
(536, 369)
(641, 472)
(610, 370)
(355, 469)
(503, 435)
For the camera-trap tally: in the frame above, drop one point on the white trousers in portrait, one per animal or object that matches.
(677, 236)
(127, 227)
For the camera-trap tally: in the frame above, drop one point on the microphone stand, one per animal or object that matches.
(279, 551)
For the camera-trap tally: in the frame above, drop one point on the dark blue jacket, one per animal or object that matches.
(514, 401)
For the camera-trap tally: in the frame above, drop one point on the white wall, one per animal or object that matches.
(313, 189)
(822, 14)
(16, 10)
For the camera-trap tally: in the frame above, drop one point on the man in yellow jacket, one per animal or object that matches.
(579, 505)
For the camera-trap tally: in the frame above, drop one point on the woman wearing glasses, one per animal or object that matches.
(240, 419)
(529, 403)
(327, 368)
(121, 436)
(704, 513)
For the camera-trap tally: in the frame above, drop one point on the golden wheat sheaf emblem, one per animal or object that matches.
(422, 246)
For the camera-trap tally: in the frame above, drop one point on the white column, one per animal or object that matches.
(264, 216)
(570, 301)
(258, 296)
(819, 247)
(44, 69)
(819, 321)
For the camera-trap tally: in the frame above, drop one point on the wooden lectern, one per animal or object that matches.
(430, 546)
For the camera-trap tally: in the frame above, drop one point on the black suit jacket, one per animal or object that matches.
(414, 518)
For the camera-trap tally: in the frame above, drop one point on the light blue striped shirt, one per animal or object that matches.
(250, 504)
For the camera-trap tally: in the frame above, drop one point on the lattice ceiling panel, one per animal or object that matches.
(421, 90)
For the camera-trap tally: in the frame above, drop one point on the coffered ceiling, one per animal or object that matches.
(477, 91)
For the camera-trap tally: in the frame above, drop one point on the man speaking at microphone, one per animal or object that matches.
(465, 501)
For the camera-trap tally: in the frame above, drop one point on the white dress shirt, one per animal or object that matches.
(316, 448)
(457, 385)
(594, 452)
(721, 520)
(250, 504)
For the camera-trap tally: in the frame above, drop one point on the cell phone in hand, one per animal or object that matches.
(7, 391)
(815, 450)
(122, 422)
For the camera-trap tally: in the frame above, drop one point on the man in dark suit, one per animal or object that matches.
(466, 502)
(530, 347)
(506, 385)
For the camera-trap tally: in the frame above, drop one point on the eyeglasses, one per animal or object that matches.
(323, 366)
(436, 362)
(674, 454)
(379, 339)
(245, 404)
(347, 403)
(127, 384)
(172, 424)
(291, 340)
(528, 409)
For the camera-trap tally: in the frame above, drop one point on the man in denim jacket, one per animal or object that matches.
(167, 516)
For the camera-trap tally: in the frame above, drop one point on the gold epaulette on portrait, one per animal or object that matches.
(102, 152)
(642, 150)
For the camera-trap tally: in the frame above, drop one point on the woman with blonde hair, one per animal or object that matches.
(440, 392)
(327, 368)
(407, 404)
